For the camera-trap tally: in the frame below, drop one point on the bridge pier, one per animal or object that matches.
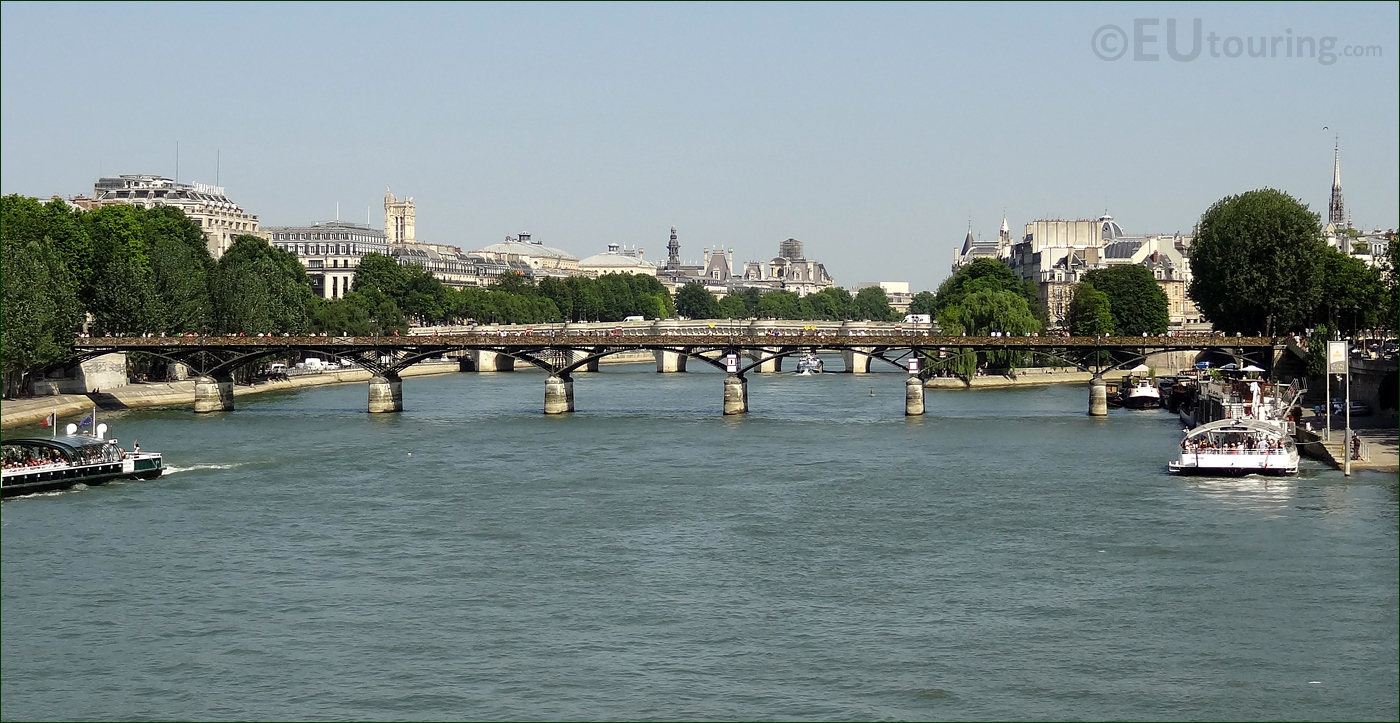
(857, 360)
(736, 394)
(771, 365)
(213, 393)
(913, 396)
(466, 362)
(1098, 397)
(558, 394)
(490, 361)
(385, 393)
(669, 362)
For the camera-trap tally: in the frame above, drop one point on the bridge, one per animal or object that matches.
(736, 348)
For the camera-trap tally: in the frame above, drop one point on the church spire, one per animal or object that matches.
(1336, 210)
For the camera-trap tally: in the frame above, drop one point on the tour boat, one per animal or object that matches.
(1142, 394)
(808, 364)
(1235, 447)
(45, 464)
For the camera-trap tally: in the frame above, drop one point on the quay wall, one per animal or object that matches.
(1023, 378)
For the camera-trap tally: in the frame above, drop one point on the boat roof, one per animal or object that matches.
(1236, 425)
(66, 442)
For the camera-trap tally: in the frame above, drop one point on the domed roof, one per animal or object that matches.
(613, 259)
(525, 248)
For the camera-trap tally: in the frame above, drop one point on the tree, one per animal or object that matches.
(872, 304)
(1255, 260)
(1135, 300)
(1353, 294)
(780, 305)
(924, 302)
(981, 274)
(258, 288)
(695, 302)
(1089, 313)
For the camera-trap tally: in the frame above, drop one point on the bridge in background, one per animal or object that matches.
(734, 347)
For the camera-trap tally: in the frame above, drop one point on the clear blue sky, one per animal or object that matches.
(870, 132)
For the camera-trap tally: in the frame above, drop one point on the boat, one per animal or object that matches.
(1141, 394)
(45, 464)
(1235, 447)
(809, 364)
(1248, 428)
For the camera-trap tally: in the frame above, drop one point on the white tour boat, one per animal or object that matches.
(809, 364)
(1235, 447)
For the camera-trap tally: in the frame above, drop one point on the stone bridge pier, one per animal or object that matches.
(736, 394)
(490, 361)
(213, 393)
(1098, 396)
(669, 362)
(558, 394)
(913, 396)
(385, 393)
(771, 364)
(857, 359)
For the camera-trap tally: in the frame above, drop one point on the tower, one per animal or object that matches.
(1336, 210)
(673, 250)
(398, 218)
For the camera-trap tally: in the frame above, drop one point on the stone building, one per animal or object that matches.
(542, 260)
(399, 218)
(209, 206)
(330, 251)
(617, 260)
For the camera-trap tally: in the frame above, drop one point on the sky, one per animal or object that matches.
(873, 133)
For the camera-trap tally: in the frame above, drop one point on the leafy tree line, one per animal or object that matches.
(694, 301)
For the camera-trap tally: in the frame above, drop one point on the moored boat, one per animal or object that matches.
(1235, 447)
(1142, 394)
(45, 464)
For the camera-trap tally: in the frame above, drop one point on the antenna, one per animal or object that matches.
(217, 153)
(177, 161)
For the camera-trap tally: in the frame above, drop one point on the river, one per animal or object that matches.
(1005, 557)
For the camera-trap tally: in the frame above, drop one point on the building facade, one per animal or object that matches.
(330, 251)
(219, 218)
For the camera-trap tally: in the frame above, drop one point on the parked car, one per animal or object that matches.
(1358, 408)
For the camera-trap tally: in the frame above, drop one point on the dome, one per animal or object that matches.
(521, 248)
(613, 260)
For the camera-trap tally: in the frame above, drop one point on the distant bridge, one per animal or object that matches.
(737, 348)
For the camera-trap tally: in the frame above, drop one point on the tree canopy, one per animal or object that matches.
(1089, 313)
(1255, 260)
(1135, 300)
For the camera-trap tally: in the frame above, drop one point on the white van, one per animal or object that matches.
(315, 364)
(635, 318)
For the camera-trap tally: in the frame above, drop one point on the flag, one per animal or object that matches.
(50, 420)
(85, 420)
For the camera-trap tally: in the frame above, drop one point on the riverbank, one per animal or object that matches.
(31, 410)
(1379, 436)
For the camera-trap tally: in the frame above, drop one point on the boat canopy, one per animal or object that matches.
(75, 448)
(1249, 426)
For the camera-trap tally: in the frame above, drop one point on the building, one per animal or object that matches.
(1337, 208)
(330, 251)
(540, 259)
(209, 206)
(790, 270)
(1056, 254)
(973, 249)
(399, 218)
(617, 260)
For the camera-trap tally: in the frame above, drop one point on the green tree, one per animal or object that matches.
(257, 288)
(1089, 313)
(780, 305)
(981, 275)
(924, 302)
(1255, 260)
(694, 301)
(732, 307)
(1135, 300)
(873, 304)
(1353, 294)
(40, 309)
